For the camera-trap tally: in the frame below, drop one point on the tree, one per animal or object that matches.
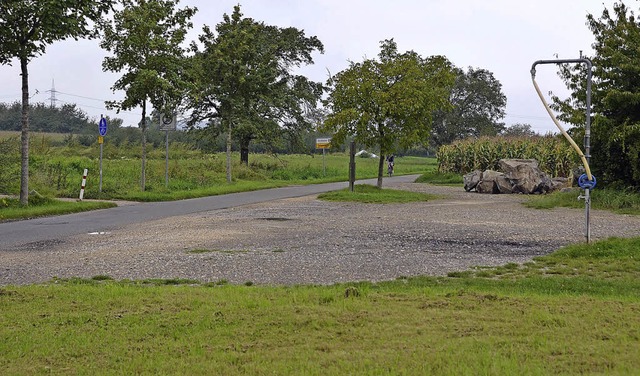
(388, 102)
(243, 81)
(27, 27)
(478, 105)
(615, 131)
(145, 38)
(518, 130)
(44, 118)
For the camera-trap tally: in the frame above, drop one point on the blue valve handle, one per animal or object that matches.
(585, 183)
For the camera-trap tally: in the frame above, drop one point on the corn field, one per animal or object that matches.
(554, 154)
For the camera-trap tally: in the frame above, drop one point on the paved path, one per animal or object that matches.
(287, 236)
(18, 233)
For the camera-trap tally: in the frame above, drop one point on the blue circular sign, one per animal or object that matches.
(102, 126)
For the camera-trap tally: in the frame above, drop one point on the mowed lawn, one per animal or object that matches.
(576, 311)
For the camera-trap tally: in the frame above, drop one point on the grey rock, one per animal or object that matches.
(559, 183)
(488, 182)
(471, 180)
(525, 175)
(504, 185)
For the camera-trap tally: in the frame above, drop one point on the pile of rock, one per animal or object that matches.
(516, 176)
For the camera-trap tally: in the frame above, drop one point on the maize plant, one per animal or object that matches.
(554, 155)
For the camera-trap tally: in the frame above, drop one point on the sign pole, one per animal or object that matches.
(168, 122)
(100, 184)
(324, 166)
(102, 130)
(323, 143)
(352, 165)
(166, 160)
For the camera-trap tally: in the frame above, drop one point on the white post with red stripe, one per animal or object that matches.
(84, 183)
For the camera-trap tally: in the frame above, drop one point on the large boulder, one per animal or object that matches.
(525, 176)
(560, 183)
(504, 185)
(471, 180)
(488, 182)
(516, 176)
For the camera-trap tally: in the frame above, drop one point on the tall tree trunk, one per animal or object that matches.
(24, 169)
(380, 170)
(229, 154)
(143, 124)
(244, 150)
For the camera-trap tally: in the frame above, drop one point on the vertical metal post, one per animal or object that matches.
(100, 183)
(166, 160)
(587, 129)
(324, 166)
(102, 130)
(587, 153)
(352, 165)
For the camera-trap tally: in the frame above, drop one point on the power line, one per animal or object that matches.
(531, 117)
(54, 99)
(82, 96)
(82, 105)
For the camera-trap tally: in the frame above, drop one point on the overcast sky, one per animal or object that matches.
(502, 36)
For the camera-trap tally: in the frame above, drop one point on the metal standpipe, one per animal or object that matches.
(587, 129)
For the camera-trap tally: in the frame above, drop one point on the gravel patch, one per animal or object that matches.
(308, 241)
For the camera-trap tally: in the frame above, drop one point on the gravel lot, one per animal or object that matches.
(308, 241)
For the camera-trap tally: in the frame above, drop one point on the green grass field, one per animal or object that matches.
(573, 312)
(57, 171)
(576, 311)
(10, 208)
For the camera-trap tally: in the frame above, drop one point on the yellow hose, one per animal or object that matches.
(564, 133)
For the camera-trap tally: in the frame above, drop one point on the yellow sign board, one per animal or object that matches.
(323, 143)
(100, 140)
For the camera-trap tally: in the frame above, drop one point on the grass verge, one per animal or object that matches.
(10, 208)
(365, 193)
(572, 312)
(623, 202)
(437, 178)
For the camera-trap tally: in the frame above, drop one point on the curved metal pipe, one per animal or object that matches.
(585, 160)
(587, 129)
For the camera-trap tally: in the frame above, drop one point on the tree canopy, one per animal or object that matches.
(615, 130)
(518, 130)
(243, 80)
(146, 37)
(45, 118)
(478, 106)
(388, 102)
(27, 27)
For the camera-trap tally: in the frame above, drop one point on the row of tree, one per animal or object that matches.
(81, 130)
(45, 118)
(236, 79)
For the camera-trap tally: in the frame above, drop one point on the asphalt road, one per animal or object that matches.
(49, 229)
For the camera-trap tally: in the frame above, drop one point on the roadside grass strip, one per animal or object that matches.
(369, 194)
(10, 208)
(575, 311)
